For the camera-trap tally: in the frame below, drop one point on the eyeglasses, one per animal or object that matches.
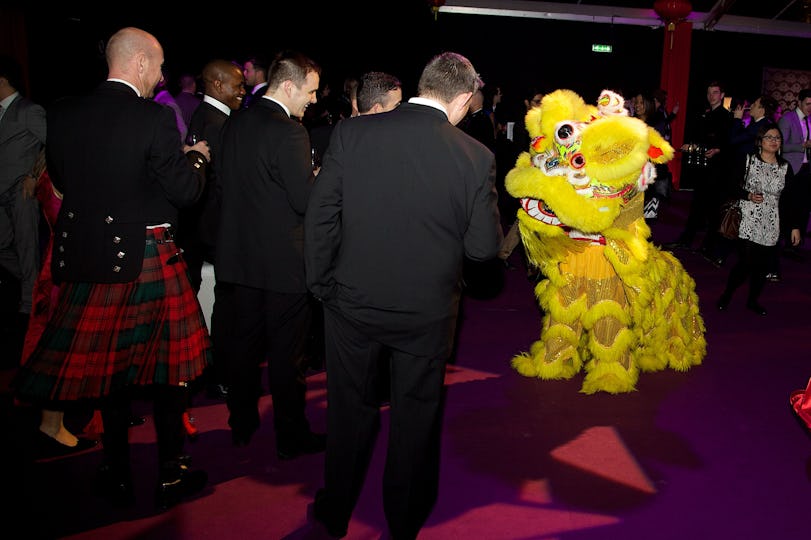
(771, 138)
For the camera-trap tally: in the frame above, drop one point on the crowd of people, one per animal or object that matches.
(726, 156)
(255, 169)
(127, 255)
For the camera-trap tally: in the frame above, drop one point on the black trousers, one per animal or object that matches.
(223, 315)
(754, 261)
(169, 403)
(411, 475)
(273, 327)
(705, 206)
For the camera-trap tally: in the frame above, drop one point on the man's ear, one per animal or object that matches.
(459, 107)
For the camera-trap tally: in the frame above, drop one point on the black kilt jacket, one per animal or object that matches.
(118, 161)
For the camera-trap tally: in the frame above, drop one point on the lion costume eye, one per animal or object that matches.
(566, 133)
(577, 161)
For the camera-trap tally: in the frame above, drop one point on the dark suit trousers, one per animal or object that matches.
(706, 204)
(273, 327)
(169, 403)
(411, 476)
(19, 241)
(223, 315)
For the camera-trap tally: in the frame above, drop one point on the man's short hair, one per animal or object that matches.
(259, 64)
(374, 87)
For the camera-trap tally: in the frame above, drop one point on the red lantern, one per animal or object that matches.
(435, 5)
(672, 11)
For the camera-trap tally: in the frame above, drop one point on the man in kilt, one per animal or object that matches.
(126, 317)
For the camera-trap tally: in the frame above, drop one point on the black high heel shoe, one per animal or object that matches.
(723, 302)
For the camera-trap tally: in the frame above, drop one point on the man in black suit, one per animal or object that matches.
(478, 123)
(197, 232)
(224, 91)
(256, 77)
(127, 316)
(22, 136)
(267, 176)
(402, 198)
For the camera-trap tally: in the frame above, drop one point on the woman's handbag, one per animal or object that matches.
(730, 220)
(731, 212)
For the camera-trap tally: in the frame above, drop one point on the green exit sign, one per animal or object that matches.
(599, 47)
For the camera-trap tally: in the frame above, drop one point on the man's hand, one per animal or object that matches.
(201, 147)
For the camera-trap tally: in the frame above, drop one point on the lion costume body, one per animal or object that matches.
(613, 303)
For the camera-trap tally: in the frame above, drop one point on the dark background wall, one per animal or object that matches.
(66, 44)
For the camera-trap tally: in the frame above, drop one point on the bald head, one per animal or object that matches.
(135, 56)
(225, 82)
(218, 70)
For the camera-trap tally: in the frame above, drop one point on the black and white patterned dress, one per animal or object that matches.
(760, 223)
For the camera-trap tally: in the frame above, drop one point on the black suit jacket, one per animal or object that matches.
(479, 126)
(118, 161)
(254, 95)
(266, 179)
(199, 222)
(401, 199)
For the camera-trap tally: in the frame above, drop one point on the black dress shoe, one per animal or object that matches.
(723, 303)
(757, 308)
(319, 511)
(675, 245)
(774, 277)
(137, 420)
(310, 443)
(217, 391)
(717, 262)
(175, 486)
(115, 486)
(241, 438)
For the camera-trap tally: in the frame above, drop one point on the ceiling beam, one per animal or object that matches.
(720, 9)
(621, 15)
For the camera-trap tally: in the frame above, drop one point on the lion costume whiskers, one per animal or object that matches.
(613, 303)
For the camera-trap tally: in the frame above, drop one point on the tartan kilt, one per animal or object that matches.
(102, 337)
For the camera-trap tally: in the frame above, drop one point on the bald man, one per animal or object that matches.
(127, 316)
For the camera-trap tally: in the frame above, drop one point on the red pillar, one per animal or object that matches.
(675, 80)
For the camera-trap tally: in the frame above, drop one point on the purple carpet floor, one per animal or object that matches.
(712, 453)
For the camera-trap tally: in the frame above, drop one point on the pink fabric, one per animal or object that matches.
(45, 292)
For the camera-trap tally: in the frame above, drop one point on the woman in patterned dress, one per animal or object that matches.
(768, 177)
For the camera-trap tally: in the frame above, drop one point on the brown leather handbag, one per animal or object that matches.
(731, 220)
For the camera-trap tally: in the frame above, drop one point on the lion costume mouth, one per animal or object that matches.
(538, 210)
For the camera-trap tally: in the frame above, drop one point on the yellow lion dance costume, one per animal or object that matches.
(613, 302)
